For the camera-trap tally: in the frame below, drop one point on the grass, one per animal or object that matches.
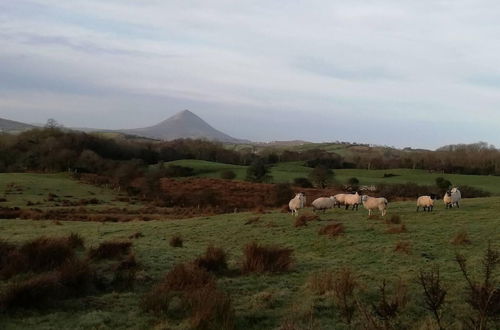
(287, 171)
(35, 188)
(365, 248)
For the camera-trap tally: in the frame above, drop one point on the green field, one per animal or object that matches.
(286, 172)
(365, 248)
(20, 188)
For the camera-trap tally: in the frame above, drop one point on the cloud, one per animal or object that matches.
(374, 68)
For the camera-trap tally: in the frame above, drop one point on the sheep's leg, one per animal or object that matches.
(458, 205)
(384, 211)
(347, 206)
(369, 212)
(418, 207)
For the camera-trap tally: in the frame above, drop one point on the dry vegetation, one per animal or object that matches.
(266, 259)
(332, 230)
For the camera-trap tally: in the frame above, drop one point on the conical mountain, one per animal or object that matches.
(184, 124)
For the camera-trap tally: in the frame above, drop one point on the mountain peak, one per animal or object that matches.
(184, 124)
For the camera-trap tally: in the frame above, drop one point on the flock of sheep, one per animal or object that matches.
(451, 198)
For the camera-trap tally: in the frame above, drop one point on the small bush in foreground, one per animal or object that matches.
(176, 241)
(262, 259)
(434, 293)
(110, 250)
(214, 260)
(344, 288)
(332, 230)
(136, 235)
(483, 296)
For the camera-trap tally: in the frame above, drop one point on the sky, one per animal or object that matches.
(393, 72)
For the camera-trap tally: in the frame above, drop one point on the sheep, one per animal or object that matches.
(427, 202)
(339, 200)
(373, 203)
(452, 198)
(323, 203)
(352, 199)
(297, 203)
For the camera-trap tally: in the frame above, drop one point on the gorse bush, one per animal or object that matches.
(110, 250)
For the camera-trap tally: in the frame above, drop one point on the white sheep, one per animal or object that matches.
(352, 200)
(373, 203)
(323, 203)
(339, 200)
(297, 203)
(452, 198)
(426, 202)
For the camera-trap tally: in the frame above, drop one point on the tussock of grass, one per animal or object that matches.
(461, 238)
(110, 250)
(176, 241)
(262, 259)
(214, 260)
(332, 230)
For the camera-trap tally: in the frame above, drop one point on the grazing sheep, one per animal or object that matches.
(297, 203)
(323, 203)
(373, 203)
(452, 198)
(339, 200)
(352, 199)
(427, 202)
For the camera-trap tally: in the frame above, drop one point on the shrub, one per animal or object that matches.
(110, 250)
(258, 171)
(332, 230)
(75, 241)
(214, 260)
(125, 273)
(181, 278)
(388, 306)
(302, 182)
(321, 176)
(321, 282)
(227, 175)
(434, 293)
(176, 241)
(344, 288)
(35, 292)
(45, 253)
(76, 276)
(483, 296)
(261, 259)
(282, 192)
(460, 238)
(178, 171)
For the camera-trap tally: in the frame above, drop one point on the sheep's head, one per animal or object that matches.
(364, 198)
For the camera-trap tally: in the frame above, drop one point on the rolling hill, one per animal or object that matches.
(9, 126)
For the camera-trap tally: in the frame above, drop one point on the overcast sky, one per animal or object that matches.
(403, 72)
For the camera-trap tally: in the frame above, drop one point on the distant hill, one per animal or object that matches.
(11, 126)
(184, 124)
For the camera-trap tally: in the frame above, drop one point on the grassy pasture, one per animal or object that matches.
(365, 247)
(287, 171)
(20, 188)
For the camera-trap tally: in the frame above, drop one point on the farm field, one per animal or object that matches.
(287, 171)
(264, 301)
(21, 188)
